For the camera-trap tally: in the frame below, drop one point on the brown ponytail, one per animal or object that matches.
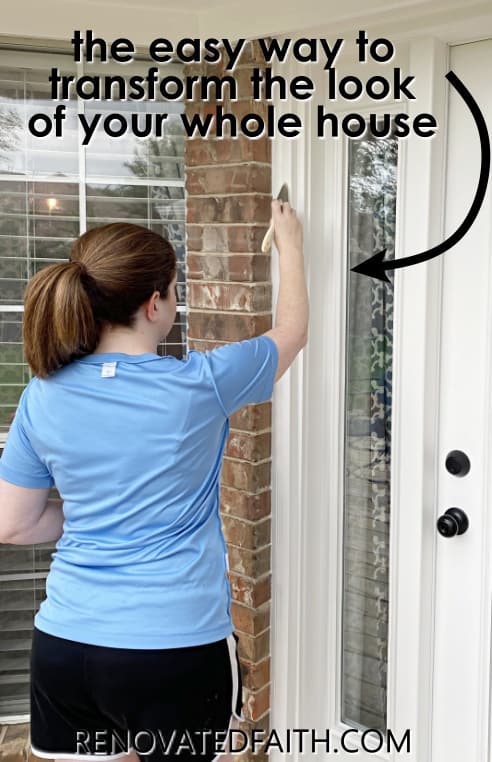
(113, 270)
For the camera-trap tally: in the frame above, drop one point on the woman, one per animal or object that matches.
(134, 641)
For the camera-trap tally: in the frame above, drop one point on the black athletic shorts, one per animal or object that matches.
(169, 705)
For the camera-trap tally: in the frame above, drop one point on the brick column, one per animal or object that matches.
(228, 184)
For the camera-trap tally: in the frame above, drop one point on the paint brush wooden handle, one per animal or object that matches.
(268, 238)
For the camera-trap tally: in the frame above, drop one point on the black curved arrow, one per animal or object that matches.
(375, 266)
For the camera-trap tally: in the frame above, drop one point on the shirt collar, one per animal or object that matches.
(98, 357)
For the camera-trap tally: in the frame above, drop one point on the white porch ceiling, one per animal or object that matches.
(143, 20)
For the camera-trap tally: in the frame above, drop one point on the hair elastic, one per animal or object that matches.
(80, 265)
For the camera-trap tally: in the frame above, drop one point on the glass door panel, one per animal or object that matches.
(372, 173)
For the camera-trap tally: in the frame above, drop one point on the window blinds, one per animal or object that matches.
(52, 190)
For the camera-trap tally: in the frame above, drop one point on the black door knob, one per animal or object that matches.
(454, 521)
(458, 463)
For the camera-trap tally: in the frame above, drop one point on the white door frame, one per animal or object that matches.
(463, 579)
(307, 461)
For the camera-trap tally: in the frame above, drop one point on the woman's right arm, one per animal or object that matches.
(290, 331)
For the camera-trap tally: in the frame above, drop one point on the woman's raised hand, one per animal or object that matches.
(287, 226)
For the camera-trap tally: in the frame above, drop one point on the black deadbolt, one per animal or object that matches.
(457, 463)
(453, 522)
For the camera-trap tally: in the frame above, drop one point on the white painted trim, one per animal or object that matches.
(463, 579)
(82, 156)
(284, 595)
(486, 653)
(307, 458)
(93, 180)
(415, 421)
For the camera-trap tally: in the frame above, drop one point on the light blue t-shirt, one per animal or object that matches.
(136, 457)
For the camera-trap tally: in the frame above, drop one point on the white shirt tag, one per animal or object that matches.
(108, 369)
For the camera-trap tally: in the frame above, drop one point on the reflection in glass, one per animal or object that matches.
(23, 572)
(42, 189)
(14, 371)
(25, 92)
(126, 179)
(38, 222)
(128, 156)
(368, 401)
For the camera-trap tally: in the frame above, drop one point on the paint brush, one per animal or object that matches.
(267, 241)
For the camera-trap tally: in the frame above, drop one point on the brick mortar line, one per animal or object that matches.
(265, 714)
(261, 578)
(256, 313)
(232, 311)
(251, 522)
(238, 518)
(250, 690)
(231, 165)
(207, 278)
(228, 103)
(255, 433)
(226, 341)
(221, 225)
(224, 89)
(241, 547)
(251, 462)
(253, 494)
(242, 66)
(266, 717)
(266, 605)
(251, 550)
(190, 276)
(255, 253)
(228, 195)
(250, 64)
(235, 194)
(221, 344)
(256, 663)
(212, 310)
(247, 66)
(257, 634)
(225, 100)
(248, 283)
